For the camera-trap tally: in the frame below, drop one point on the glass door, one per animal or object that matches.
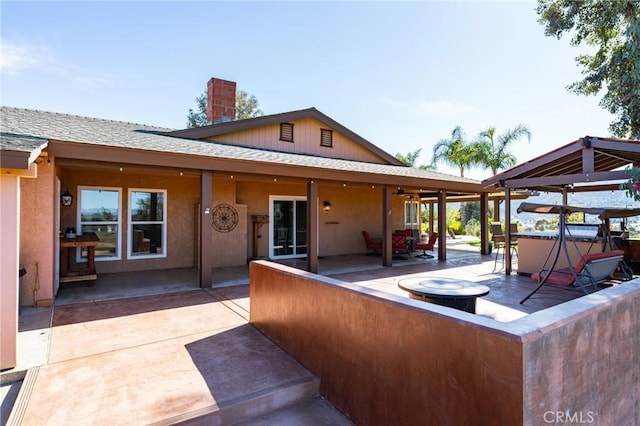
(288, 232)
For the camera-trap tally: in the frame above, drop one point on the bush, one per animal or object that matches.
(473, 227)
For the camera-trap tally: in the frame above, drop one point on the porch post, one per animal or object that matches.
(312, 227)
(387, 249)
(507, 230)
(431, 210)
(484, 227)
(442, 226)
(206, 230)
(9, 263)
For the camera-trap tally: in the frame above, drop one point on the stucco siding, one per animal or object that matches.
(182, 199)
(306, 141)
(37, 234)
(338, 232)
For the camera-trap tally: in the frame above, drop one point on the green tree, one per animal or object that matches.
(456, 151)
(494, 150)
(246, 107)
(410, 159)
(613, 27)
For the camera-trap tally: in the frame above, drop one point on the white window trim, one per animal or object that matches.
(79, 222)
(417, 218)
(130, 223)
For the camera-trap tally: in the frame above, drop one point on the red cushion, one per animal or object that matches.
(564, 276)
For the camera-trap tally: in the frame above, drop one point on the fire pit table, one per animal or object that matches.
(454, 293)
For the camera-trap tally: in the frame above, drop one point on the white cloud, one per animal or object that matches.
(19, 57)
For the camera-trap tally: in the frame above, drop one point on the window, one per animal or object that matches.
(411, 213)
(147, 223)
(286, 132)
(326, 138)
(99, 212)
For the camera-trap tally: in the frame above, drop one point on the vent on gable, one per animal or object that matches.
(326, 138)
(286, 132)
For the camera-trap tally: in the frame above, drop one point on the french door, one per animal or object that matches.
(288, 231)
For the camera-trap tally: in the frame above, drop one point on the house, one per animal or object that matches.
(295, 184)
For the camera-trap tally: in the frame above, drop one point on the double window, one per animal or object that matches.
(100, 211)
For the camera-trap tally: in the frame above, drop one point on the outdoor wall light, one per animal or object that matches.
(66, 199)
(326, 206)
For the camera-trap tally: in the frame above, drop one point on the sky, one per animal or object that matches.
(402, 75)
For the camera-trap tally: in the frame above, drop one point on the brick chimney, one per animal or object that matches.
(221, 100)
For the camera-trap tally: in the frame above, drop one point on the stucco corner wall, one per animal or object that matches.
(582, 363)
(384, 359)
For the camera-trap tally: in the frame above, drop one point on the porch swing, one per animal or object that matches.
(592, 268)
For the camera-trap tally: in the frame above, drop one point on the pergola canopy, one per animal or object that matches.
(583, 165)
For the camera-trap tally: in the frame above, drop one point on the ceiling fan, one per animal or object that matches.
(402, 192)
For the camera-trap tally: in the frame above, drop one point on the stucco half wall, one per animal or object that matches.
(384, 359)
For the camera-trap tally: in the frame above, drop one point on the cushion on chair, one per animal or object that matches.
(564, 277)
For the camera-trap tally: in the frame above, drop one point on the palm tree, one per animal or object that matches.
(456, 151)
(410, 159)
(494, 150)
(495, 155)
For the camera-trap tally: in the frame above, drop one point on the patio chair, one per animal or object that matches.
(424, 246)
(373, 244)
(400, 245)
(500, 241)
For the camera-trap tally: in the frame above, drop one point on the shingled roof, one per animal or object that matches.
(22, 128)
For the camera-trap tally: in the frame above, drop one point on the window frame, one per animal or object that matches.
(130, 224)
(283, 137)
(407, 213)
(118, 223)
(328, 132)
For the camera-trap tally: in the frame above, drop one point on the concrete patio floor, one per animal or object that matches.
(156, 345)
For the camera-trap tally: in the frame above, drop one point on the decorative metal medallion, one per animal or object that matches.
(225, 218)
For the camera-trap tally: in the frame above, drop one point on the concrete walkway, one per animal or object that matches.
(164, 359)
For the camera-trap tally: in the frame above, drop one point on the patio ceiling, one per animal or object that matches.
(587, 164)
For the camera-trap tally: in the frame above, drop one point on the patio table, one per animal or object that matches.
(454, 293)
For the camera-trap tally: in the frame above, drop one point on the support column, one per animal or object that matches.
(206, 230)
(431, 221)
(312, 226)
(507, 230)
(387, 245)
(484, 225)
(442, 226)
(9, 263)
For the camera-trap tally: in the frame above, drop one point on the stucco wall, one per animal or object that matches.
(383, 359)
(37, 235)
(584, 362)
(390, 360)
(338, 232)
(182, 198)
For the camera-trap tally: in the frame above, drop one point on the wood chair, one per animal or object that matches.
(424, 246)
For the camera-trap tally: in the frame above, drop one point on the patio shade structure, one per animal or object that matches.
(586, 164)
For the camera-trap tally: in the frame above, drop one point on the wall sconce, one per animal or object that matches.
(66, 199)
(326, 206)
